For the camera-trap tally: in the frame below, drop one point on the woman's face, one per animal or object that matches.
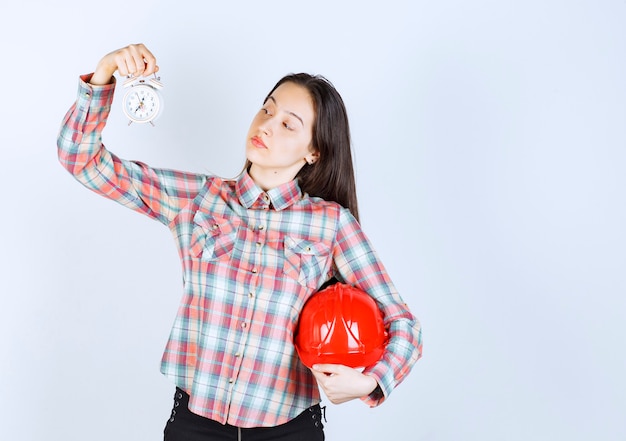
(279, 141)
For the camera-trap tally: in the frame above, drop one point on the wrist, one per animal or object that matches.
(100, 79)
(102, 75)
(373, 384)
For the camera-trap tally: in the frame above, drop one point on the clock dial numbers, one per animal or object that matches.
(142, 103)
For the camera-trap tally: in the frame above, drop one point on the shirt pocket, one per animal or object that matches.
(212, 237)
(305, 260)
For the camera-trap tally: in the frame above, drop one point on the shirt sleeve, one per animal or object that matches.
(359, 265)
(157, 193)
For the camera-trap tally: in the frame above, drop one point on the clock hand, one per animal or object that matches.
(140, 99)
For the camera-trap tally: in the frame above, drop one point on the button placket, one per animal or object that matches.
(256, 238)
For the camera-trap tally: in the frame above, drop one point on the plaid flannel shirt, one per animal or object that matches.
(251, 259)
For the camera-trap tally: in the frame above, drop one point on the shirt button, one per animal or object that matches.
(251, 294)
(261, 227)
(238, 354)
(244, 325)
(254, 271)
(231, 380)
(258, 244)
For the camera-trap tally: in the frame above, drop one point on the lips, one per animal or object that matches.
(258, 142)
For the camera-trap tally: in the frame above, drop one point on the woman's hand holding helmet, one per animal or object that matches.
(342, 383)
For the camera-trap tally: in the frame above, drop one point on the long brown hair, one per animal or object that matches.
(331, 176)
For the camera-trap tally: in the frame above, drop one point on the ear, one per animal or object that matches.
(312, 157)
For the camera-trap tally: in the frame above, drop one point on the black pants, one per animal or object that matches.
(184, 425)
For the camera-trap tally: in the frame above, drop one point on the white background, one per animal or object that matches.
(490, 151)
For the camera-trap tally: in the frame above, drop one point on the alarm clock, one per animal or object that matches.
(143, 101)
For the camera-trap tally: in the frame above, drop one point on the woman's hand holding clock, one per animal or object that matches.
(134, 59)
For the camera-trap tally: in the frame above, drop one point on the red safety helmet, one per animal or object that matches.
(340, 324)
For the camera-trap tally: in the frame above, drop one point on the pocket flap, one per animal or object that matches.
(207, 231)
(213, 224)
(302, 246)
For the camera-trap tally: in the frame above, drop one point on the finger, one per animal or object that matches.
(143, 59)
(319, 376)
(149, 62)
(328, 369)
(134, 60)
(124, 62)
(125, 68)
(128, 61)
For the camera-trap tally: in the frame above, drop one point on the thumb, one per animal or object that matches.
(327, 368)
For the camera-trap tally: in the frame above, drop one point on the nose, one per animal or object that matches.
(266, 128)
(266, 124)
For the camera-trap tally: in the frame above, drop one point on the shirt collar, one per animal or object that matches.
(252, 196)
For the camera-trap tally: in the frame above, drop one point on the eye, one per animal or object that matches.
(287, 125)
(265, 111)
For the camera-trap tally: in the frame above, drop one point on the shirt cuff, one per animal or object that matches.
(95, 96)
(377, 396)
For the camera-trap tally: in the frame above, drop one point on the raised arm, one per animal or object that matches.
(157, 193)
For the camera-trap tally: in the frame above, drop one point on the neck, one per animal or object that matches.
(267, 179)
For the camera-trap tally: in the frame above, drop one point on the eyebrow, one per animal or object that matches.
(290, 113)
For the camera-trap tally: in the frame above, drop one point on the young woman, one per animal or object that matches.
(253, 250)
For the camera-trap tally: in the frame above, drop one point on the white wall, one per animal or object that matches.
(490, 149)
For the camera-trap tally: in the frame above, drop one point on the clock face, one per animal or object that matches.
(142, 103)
